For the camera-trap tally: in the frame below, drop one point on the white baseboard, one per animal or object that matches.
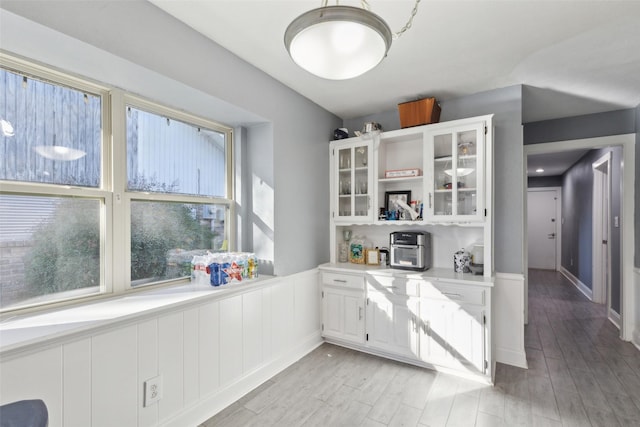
(216, 402)
(635, 335)
(577, 283)
(508, 319)
(512, 357)
(614, 318)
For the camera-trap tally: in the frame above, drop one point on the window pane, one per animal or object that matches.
(165, 236)
(49, 249)
(168, 156)
(49, 133)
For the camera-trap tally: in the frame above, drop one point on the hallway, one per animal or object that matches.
(571, 344)
(580, 374)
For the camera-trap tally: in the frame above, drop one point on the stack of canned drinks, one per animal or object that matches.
(221, 268)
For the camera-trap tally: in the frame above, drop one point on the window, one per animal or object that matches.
(177, 181)
(50, 133)
(166, 235)
(67, 193)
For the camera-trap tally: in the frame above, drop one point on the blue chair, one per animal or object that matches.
(24, 413)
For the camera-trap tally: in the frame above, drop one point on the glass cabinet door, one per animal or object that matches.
(457, 173)
(353, 163)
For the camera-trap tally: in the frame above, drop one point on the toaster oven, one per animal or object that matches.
(410, 250)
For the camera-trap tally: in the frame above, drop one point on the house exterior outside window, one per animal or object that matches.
(102, 192)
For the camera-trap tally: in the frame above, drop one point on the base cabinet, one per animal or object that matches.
(343, 311)
(392, 324)
(429, 322)
(452, 335)
(343, 314)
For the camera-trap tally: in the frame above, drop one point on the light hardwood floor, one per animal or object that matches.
(580, 374)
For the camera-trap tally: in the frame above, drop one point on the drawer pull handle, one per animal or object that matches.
(452, 295)
(339, 280)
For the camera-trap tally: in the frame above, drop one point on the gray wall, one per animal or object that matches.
(577, 215)
(544, 181)
(172, 64)
(637, 201)
(508, 162)
(618, 122)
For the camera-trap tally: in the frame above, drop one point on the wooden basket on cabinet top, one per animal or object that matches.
(421, 112)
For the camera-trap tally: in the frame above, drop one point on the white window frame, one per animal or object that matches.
(120, 102)
(115, 224)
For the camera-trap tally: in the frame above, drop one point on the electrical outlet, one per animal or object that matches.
(152, 390)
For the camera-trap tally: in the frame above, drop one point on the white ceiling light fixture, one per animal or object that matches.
(539, 170)
(340, 42)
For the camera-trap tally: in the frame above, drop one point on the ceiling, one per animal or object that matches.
(572, 57)
(554, 164)
(579, 57)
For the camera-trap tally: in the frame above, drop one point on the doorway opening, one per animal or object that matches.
(628, 306)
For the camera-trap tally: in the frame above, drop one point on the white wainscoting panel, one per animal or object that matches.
(190, 355)
(171, 364)
(147, 369)
(267, 313)
(508, 319)
(114, 376)
(230, 339)
(210, 351)
(76, 393)
(35, 376)
(308, 310)
(252, 332)
(282, 300)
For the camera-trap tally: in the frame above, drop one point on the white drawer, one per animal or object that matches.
(343, 280)
(394, 285)
(462, 294)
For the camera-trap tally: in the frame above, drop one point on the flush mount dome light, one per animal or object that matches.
(340, 42)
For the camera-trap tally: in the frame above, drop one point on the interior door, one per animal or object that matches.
(542, 234)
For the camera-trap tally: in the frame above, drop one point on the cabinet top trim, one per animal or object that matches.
(435, 274)
(399, 133)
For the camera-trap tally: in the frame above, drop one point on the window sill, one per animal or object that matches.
(29, 332)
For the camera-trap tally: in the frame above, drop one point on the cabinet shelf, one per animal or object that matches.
(465, 189)
(399, 222)
(401, 179)
(449, 158)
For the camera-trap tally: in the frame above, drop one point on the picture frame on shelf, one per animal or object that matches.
(373, 256)
(390, 198)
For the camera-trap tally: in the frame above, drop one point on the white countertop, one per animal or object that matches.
(21, 332)
(441, 274)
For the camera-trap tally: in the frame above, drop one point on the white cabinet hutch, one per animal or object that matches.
(438, 318)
